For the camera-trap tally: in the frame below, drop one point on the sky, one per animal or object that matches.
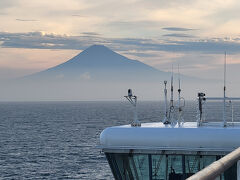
(35, 35)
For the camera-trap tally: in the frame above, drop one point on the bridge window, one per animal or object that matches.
(161, 167)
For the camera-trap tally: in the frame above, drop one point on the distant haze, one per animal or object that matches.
(99, 73)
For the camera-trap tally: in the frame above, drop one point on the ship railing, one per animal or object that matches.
(217, 168)
(218, 110)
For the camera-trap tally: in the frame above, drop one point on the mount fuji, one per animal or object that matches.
(97, 73)
(97, 64)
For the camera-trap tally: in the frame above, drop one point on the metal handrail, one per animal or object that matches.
(218, 167)
(202, 100)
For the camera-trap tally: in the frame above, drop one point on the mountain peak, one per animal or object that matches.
(97, 46)
(97, 54)
(97, 49)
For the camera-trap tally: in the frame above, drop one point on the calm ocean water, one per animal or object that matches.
(57, 140)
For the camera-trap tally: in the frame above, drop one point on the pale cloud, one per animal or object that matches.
(90, 33)
(177, 29)
(33, 60)
(179, 35)
(53, 17)
(173, 42)
(180, 16)
(7, 4)
(139, 18)
(26, 20)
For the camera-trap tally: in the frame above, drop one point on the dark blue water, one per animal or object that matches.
(57, 140)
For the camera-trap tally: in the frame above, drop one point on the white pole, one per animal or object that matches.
(224, 93)
(172, 88)
(179, 97)
(171, 100)
(135, 112)
(166, 103)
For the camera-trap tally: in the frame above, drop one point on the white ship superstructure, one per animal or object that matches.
(171, 149)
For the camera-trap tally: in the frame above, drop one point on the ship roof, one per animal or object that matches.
(189, 136)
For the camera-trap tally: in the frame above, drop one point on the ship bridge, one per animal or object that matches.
(166, 151)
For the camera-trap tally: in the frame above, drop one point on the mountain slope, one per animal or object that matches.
(99, 63)
(98, 73)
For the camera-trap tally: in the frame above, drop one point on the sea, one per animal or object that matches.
(59, 140)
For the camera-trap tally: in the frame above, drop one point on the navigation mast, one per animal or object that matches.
(179, 98)
(171, 110)
(224, 92)
(165, 121)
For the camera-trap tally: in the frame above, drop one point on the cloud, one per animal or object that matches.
(140, 54)
(25, 20)
(32, 60)
(177, 29)
(91, 33)
(162, 4)
(5, 4)
(132, 24)
(140, 18)
(38, 40)
(78, 15)
(181, 35)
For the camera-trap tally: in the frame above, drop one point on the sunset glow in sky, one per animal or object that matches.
(35, 35)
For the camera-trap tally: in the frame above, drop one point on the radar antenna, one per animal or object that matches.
(133, 100)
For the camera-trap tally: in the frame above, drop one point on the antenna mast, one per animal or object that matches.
(224, 92)
(171, 101)
(165, 121)
(179, 88)
(179, 98)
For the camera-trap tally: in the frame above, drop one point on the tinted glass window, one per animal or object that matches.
(161, 167)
